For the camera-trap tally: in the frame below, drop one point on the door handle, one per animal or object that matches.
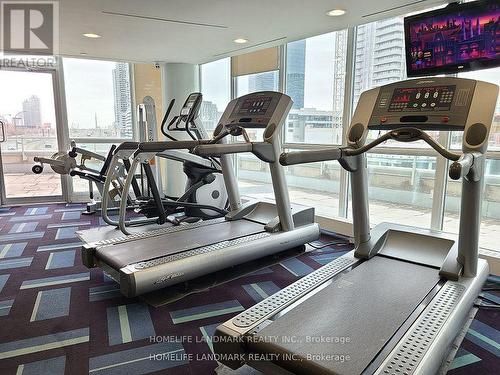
(3, 132)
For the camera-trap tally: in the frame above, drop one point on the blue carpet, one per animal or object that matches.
(57, 317)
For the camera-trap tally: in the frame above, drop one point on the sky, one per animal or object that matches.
(89, 91)
(19, 86)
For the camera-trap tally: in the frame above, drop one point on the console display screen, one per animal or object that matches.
(255, 106)
(416, 99)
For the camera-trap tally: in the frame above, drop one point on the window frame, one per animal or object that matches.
(71, 195)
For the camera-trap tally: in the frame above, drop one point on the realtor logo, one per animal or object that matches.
(29, 28)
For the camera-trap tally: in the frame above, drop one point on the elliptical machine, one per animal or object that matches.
(204, 196)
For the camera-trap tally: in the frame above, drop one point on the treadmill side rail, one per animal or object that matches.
(231, 333)
(143, 277)
(152, 233)
(429, 339)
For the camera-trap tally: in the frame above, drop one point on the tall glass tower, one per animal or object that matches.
(31, 112)
(121, 91)
(295, 72)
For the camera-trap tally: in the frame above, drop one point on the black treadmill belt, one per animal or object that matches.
(123, 254)
(365, 306)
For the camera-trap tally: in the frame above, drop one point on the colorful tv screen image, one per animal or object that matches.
(459, 37)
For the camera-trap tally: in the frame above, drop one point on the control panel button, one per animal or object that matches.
(445, 119)
(383, 120)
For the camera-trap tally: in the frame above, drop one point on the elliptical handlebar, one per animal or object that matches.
(188, 119)
(165, 119)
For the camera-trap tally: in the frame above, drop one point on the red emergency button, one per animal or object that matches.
(445, 119)
(383, 120)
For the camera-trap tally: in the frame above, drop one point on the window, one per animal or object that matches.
(316, 185)
(401, 184)
(405, 180)
(216, 89)
(400, 189)
(490, 226)
(253, 174)
(315, 80)
(98, 99)
(99, 105)
(31, 130)
(492, 76)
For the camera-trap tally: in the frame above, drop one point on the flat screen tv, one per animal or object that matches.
(459, 37)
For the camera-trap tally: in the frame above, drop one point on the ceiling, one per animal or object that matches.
(196, 31)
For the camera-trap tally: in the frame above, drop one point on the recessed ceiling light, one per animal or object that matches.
(336, 12)
(91, 35)
(240, 41)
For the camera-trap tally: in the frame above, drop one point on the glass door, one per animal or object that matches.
(30, 128)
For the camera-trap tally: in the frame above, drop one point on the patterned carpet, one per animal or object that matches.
(57, 317)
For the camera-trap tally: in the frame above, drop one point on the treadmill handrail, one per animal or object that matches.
(160, 146)
(400, 135)
(263, 150)
(221, 149)
(310, 156)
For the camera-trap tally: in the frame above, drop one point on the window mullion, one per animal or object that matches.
(346, 116)
(440, 182)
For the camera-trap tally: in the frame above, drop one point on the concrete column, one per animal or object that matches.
(179, 80)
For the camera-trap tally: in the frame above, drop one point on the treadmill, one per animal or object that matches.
(396, 303)
(144, 262)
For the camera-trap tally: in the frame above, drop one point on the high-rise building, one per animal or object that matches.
(267, 81)
(209, 115)
(31, 112)
(389, 52)
(296, 72)
(339, 73)
(121, 92)
(380, 54)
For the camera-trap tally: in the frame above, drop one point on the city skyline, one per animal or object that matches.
(40, 86)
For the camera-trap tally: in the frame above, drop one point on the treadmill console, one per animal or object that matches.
(257, 110)
(427, 104)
